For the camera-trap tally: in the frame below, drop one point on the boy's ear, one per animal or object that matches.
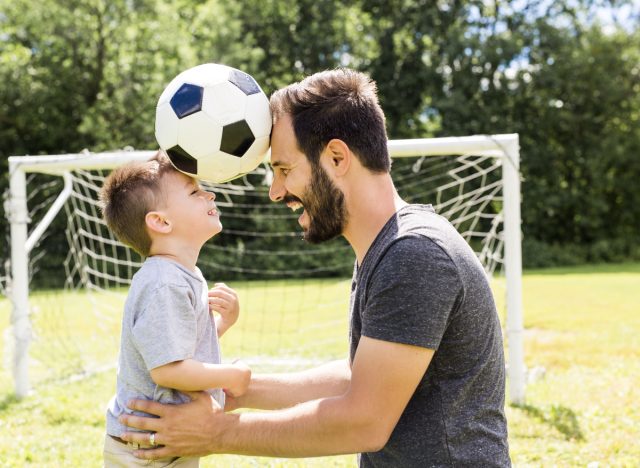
(156, 221)
(338, 155)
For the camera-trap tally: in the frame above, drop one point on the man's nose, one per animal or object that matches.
(276, 191)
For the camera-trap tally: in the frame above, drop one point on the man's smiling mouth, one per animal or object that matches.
(295, 206)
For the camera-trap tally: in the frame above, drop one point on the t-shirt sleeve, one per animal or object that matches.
(165, 330)
(412, 294)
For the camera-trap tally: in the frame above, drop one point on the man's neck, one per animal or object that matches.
(372, 204)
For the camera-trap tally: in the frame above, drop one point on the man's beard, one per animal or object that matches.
(325, 206)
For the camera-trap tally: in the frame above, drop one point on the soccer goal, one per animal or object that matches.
(67, 275)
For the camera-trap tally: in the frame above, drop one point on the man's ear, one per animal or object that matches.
(338, 155)
(156, 221)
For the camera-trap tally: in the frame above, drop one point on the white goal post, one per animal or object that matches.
(503, 148)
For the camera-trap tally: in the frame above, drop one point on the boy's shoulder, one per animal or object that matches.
(159, 271)
(161, 278)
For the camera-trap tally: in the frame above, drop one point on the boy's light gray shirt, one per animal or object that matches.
(166, 319)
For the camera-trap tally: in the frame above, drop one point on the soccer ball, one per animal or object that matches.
(214, 123)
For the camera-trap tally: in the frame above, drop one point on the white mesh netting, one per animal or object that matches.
(294, 296)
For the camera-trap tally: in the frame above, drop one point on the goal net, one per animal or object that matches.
(293, 295)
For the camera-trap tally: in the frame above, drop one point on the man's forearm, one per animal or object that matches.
(276, 391)
(329, 426)
(359, 419)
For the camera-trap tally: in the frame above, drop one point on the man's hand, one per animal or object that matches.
(181, 430)
(224, 301)
(231, 403)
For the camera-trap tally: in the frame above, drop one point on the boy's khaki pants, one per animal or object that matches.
(119, 455)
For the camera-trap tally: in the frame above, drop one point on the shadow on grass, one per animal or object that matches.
(8, 401)
(563, 419)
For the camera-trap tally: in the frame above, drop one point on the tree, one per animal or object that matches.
(87, 74)
(83, 74)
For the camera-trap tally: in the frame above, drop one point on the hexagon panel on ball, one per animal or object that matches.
(166, 126)
(258, 115)
(208, 74)
(219, 168)
(224, 102)
(199, 135)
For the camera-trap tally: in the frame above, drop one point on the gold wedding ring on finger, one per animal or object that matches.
(152, 439)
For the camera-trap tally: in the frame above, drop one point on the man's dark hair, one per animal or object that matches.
(340, 104)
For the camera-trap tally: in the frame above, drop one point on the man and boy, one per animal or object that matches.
(424, 381)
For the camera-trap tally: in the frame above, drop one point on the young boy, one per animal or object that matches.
(169, 340)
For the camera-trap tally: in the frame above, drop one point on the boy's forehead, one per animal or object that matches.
(177, 179)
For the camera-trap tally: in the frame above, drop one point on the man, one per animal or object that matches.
(424, 382)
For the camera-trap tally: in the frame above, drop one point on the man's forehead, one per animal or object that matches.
(286, 157)
(278, 160)
(284, 148)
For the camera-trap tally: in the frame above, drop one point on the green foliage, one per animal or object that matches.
(87, 74)
(579, 173)
(537, 254)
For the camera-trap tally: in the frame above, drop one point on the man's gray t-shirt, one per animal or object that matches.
(166, 319)
(421, 284)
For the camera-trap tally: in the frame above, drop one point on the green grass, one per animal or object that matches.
(582, 327)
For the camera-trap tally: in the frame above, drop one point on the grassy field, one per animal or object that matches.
(582, 329)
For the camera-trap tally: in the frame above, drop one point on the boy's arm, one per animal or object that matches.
(192, 375)
(276, 391)
(224, 301)
(221, 325)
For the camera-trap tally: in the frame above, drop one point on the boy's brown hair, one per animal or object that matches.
(128, 194)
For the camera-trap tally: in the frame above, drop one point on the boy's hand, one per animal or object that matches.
(240, 381)
(224, 301)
